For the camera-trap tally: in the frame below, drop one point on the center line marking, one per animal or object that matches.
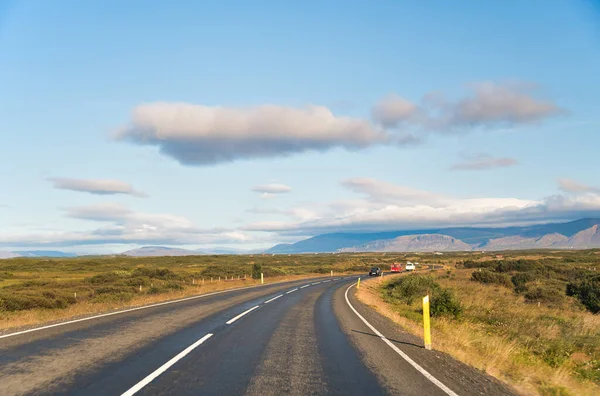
(327, 281)
(302, 287)
(230, 321)
(137, 387)
(291, 291)
(273, 299)
(316, 283)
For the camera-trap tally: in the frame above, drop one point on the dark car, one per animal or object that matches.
(375, 271)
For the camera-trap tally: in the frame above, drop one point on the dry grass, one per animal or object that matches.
(12, 320)
(503, 336)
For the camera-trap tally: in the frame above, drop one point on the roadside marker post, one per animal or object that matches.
(426, 324)
(358, 283)
(331, 272)
(262, 279)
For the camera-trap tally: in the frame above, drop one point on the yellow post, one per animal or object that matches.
(358, 283)
(262, 279)
(426, 323)
(331, 272)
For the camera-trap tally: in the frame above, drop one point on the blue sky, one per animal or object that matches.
(145, 122)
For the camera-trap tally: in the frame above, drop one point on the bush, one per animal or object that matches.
(544, 293)
(155, 273)
(489, 277)
(21, 302)
(444, 303)
(516, 265)
(587, 292)
(520, 280)
(256, 271)
(410, 289)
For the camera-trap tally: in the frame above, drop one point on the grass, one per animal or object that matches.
(40, 290)
(530, 333)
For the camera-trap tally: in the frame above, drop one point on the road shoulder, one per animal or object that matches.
(392, 370)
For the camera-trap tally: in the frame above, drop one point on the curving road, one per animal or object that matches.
(307, 337)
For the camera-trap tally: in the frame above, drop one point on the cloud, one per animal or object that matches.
(391, 110)
(483, 161)
(486, 105)
(381, 191)
(203, 135)
(572, 186)
(392, 207)
(271, 190)
(195, 134)
(96, 186)
(120, 225)
(492, 103)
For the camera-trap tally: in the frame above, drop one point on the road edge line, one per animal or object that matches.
(420, 369)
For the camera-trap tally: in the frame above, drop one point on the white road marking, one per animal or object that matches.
(134, 309)
(230, 321)
(291, 291)
(137, 387)
(273, 299)
(327, 281)
(420, 369)
(302, 287)
(316, 283)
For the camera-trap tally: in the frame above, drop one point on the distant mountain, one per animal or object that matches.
(5, 255)
(223, 250)
(413, 243)
(151, 251)
(588, 238)
(579, 234)
(44, 253)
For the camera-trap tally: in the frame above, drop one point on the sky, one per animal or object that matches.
(247, 124)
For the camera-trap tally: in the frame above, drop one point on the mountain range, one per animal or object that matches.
(579, 234)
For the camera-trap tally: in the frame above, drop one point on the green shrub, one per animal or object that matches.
(256, 271)
(545, 293)
(489, 277)
(21, 302)
(155, 273)
(587, 291)
(410, 289)
(108, 277)
(521, 279)
(443, 303)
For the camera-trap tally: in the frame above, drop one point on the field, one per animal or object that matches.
(38, 290)
(528, 318)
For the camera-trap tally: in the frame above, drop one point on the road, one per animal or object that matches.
(299, 338)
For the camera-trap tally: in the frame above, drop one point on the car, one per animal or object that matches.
(375, 271)
(410, 267)
(396, 267)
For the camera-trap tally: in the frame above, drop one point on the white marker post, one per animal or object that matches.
(262, 279)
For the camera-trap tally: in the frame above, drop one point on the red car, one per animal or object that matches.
(396, 267)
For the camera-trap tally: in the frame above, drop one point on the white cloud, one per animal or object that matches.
(381, 191)
(271, 190)
(572, 186)
(492, 103)
(391, 110)
(207, 135)
(125, 226)
(96, 186)
(203, 135)
(393, 207)
(482, 162)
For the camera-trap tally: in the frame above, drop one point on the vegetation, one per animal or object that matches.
(33, 290)
(528, 318)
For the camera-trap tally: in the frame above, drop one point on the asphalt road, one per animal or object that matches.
(297, 338)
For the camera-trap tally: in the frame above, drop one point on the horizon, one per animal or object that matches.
(201, 126)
